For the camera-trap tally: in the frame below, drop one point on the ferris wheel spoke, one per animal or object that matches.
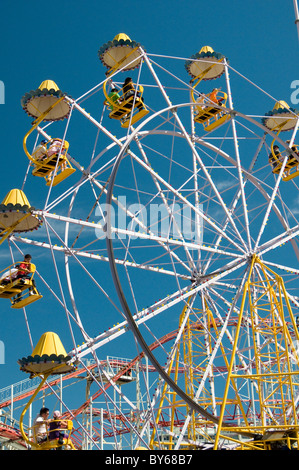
(155, 309)
(165, 202)
(238, 195)
(131, 264)
(148, 234)
(126, 232)
(271, 202)
(223, 205)
(211, 183)
(279, 240)
(90, 276)
(184, 200)
(288, 269)
(192, 147)
(239, 168)
(247, 175)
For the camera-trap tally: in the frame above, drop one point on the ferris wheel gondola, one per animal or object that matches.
(127, 104)
(48, 358)
(281, 119)
(48, 103)
(210, 109)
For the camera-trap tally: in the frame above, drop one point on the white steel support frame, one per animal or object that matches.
(239, 253)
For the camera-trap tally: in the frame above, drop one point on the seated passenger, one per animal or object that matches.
(128, 91)
(114, 97)
(294, 147)
(8, 276)
(201, 101)
(24, 268)
(213, 97)
(292, 161)
(40, 425)
(54, 149)
(273, 159)
(25, 272)
(40, 152)
(55, 429)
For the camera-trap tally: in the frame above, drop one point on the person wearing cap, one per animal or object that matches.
(55, 428)
(56, 147)
(213, 97)
(40, 152)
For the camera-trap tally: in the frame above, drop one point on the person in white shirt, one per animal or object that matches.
(41, 425)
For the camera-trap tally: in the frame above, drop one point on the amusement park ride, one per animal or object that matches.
(208, 299)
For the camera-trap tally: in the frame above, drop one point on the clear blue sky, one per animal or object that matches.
(60, 40)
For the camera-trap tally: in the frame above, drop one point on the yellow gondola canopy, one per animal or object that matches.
(13, 211)
(36, 102)
(48, 357)
(200, 62)
(281, 118)
(122, 50)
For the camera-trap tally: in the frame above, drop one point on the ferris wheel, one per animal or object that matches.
(173, 237)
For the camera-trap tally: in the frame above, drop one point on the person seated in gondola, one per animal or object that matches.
(24, 268)
(201, 101)
(292, 161)
(25, 272)
(53, 151)
(54, 148)
(274, 157)
(113, 96)
(8, 277)
(19, 271)
(40, 426)
(213, 97)
(295, 149)
(116, 100)
(56, 427)
(40, 152)
(129, 91)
